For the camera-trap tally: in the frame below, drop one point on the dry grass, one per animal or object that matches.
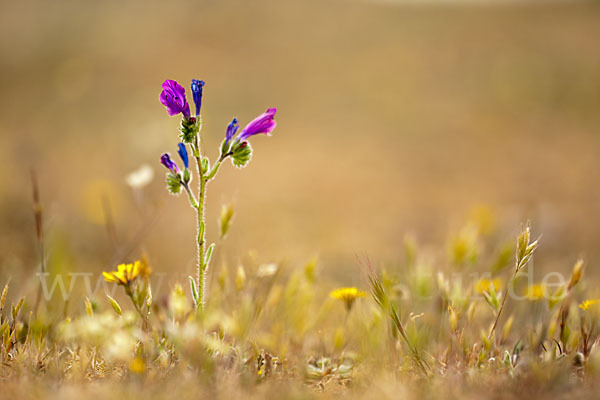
(454, 123)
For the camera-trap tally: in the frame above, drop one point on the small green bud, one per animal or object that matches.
(225, 147)
(115, 306)
(242, 154)
(173, 183)
(189, 129)
(204, 165)
(187, 177)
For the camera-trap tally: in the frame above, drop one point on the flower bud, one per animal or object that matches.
(189, 129)
(173, 183)
(242, 153)
(197, 86)
(183, 154)
(165, 160)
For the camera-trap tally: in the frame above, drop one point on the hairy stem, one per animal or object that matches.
(201, 242)
(191, 197)
(213, 171)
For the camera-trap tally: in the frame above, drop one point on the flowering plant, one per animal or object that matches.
(237, 148)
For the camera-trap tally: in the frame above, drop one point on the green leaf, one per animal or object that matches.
(194, 290)
(201, 230)
(208, 255)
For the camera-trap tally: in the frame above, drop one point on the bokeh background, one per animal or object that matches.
(393, 118)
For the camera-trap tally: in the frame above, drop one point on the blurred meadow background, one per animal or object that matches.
(395, 119)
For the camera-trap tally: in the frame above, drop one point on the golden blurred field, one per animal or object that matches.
(395, 120)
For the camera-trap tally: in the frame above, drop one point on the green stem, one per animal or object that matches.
(213, 171)
(129, 294)
(201, 242)
(510, 282)
(191, 197)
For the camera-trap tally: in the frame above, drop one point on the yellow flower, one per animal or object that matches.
(125, 273)
(536, 292)
(137, 365)
(145, 270)
(483, 285)
(588, 303)
(347, 295)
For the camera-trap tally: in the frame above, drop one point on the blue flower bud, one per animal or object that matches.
(165, 160)
(184, 155)
(231, 130)
(197, 94)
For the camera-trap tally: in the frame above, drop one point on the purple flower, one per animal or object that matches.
(197, 94)
(264, 123)
(173, 97)
(165, 160)
(232, 128)
(184, 155)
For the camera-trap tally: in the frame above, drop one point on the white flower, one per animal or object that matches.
(266, 270)
(140, 177)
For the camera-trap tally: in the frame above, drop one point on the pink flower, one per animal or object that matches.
(264, 123)
(173, 97)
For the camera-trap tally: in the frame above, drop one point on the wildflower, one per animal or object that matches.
(264, 123)
(125, 273)
(173, 97)
(197, 94)
(348, 295)
(232, 128)
(145, 270)
(588, 303)
(165, 160)
(140, 177)
(137, 366)
(483, 285)
(266, 270)
(535, 292)
(184, 155)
